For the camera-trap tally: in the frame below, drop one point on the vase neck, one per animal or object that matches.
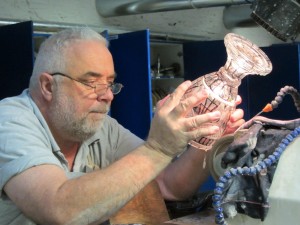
(231, 76)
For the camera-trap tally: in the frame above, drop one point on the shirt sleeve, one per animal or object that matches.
(23, 144)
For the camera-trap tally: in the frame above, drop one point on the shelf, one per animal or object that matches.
(166, 78)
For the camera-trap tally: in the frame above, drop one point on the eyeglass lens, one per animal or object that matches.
(115, 88)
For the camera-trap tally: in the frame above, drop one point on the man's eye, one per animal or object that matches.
(90, 82)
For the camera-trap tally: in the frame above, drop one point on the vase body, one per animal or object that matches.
(243, 58)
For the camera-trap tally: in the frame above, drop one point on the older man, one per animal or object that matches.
(63, 160)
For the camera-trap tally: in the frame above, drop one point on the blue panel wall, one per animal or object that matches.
(132, 107)
(16, 58)
(262, 90)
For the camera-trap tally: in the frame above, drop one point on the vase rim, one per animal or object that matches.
(250, 56)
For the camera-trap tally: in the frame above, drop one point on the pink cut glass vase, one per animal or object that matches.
(243, 58)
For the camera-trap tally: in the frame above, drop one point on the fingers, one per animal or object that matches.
(236, 115)
(162, 101)
(195, 122)
(186, 105)
(235, 121)
(232, 127)
(238, 100)
(202, 125)
(171, 135)
(173, 99)
(179, 106)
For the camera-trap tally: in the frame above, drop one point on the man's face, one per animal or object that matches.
(76, 109)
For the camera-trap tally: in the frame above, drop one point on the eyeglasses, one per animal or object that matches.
(99, 89)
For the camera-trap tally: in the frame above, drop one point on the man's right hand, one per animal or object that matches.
(171, 130)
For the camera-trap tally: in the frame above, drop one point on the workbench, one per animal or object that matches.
(206, 217)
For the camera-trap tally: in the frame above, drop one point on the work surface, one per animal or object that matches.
(206, 217)
(148, 207)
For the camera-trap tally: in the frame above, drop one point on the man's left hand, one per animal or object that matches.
(236, 119)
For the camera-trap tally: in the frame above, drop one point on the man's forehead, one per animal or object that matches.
(97, 75)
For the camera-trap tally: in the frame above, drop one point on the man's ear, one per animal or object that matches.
(46, 85)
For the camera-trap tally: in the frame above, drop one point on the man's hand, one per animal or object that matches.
(171, 130)
(236, 119)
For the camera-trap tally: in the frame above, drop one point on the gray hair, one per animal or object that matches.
(51, 55)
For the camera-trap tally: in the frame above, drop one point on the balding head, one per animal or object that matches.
(51, 56)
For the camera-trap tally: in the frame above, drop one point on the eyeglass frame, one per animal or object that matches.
(111, 86)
